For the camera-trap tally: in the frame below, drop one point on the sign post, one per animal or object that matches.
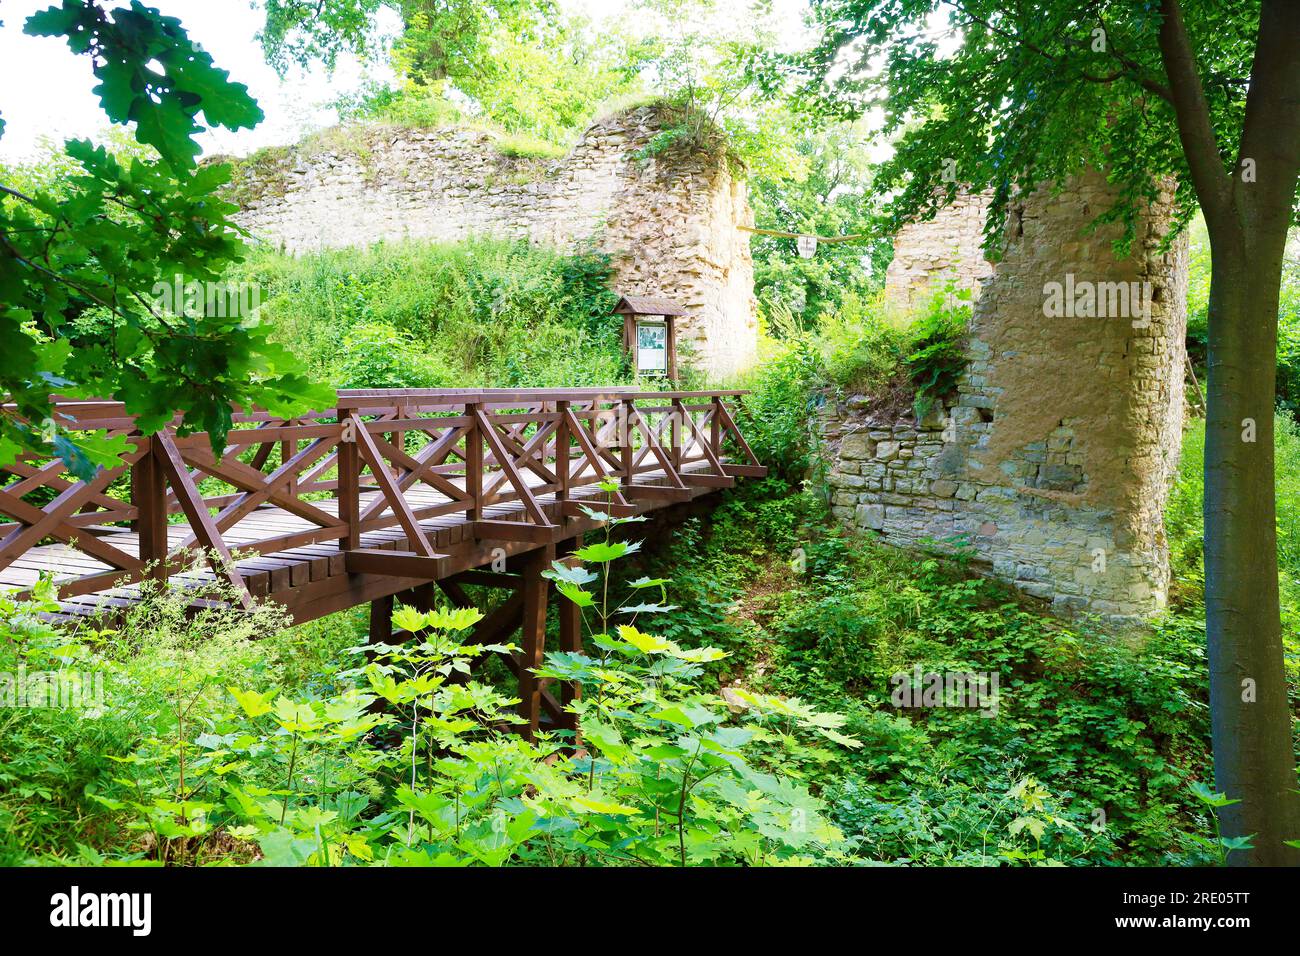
(650, 335)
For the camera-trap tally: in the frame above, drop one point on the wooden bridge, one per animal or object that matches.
(390, 494)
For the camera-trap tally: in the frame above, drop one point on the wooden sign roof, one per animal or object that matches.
(647, 305)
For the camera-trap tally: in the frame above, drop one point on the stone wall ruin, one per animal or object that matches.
(670, 222)
(1052, 461)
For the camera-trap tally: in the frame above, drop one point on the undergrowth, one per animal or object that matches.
(1111, 732)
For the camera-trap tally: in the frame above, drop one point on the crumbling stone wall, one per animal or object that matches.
(947, 248)
(1053, 460)
(670, 222)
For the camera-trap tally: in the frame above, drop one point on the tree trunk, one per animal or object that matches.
(1254, 758)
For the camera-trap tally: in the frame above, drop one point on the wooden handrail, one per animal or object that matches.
(92, 410)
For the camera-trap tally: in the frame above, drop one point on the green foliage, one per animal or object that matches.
(150, 73)
(693, 743)
(1094, 737)
(101, 240)
(938, 345)
(411, 106)
(1220, 845)
(153, 676)
(376, 355)
(522, 65)
(437, 39)
(706, 64)
(549, 81)
(862, 350)
(483, 312)
(1288, 318)
(775, 415)
(1016, 101)
(867, 351)
(1084, 722)
(859, 350)
(527, 146)
(827, 195)
(209, 757)
(295, 34)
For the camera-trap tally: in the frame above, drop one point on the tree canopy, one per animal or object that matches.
(1011, 96)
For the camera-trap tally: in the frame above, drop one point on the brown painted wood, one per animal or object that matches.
(573, 509)
(196, 512)
(532, 638)
(709, 481)
(516, 531)
(403, 564)
(349, 482)
(455, 593)
(381, 620)
(656, 492)
(488, 579)
(474, 464)
(420, 468)
(299, 521)
(149, 496)
(37, 523)
(258, 489)
(369, 453)
(570, 640)
(734, 431)
(563, 457)
(495, 443)
(590, 453)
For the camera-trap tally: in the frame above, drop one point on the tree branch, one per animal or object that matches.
(1200, 146)
(1270, 133)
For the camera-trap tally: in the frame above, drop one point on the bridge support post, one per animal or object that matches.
(149, 497)
(532, 637)
(570, 640)
(381, 632)
(381, 620)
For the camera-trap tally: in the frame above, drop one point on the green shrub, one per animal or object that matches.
(376, 355)
(775, 417)
(1183, 525)
(1111, 732)
(413, 106)
(865, 350)
(862, 351)
(527, 146)
(1288, 331)
(938, 343)
(160, 671)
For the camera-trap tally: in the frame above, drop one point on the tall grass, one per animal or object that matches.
(477, 313)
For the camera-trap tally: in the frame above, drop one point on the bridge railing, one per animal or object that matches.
(509, 464)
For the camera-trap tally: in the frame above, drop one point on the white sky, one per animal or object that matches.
(61, 106)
